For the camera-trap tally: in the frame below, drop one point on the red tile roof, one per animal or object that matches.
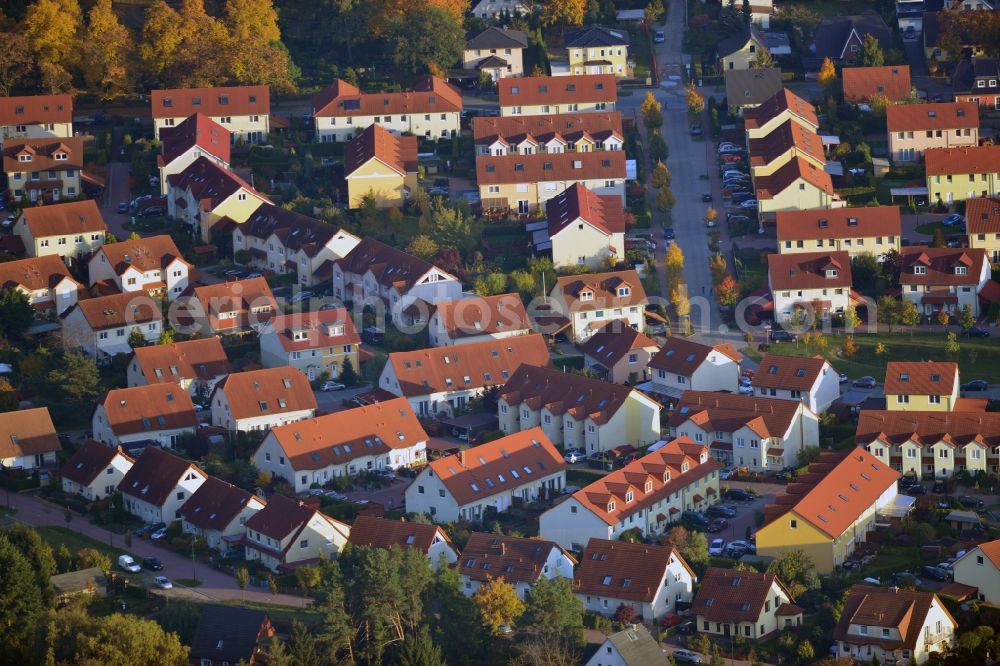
(215, 504)
(197, 130)
(34, 273)
(26, 432)
(807, 270)
(838, 223)
(152, 253)
(894, 608)
(940, 263)
(785, 176)
(210, 184)
(399, 153)
(990, 549)
(537, 90)
(937, 116)
(36, 109)
(64, 219)
(430, 95)
(543, 167)
(267, 392)
(974, 159)
(683, 356)
(603, 289)
(283, 516)
(323, 328)
(577, 203)
(509, 558)
(484, 315)
(927, 428)
(200, 358)
(920, 377)
(148, 408)
(726, 412)
(296, 232)
(610, 343)
(729, 596)
(118, 310)
(155, 474)
(622, 570)
(784, 100)
(239, 296)
(785, 137)
(389, 266)
(220, 101)
(796, 373)
(568, 126)
(982, 215)
(89, 461)
(42, 154)
(861, 84)
(383, 533)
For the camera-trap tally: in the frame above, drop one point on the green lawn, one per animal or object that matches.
(893, 559)
(282, 616)
(187, 582)
(61, 536)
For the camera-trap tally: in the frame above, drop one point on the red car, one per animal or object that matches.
(730, 157)
(747, 373)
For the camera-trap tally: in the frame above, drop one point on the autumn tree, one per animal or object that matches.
(660, 176)
(422, 246)
(880, 348)
(202, 57)
(849, 347)
(965, 318)
(851, 318)
(677, 537)
(762, 60)
(718, 267)
(943, 317)
(951, 344)
(89, 557)
(107, 51)
(52, 27)
(871, 52)
(665, 200)
(16, 61)
(909, 315)
(727, 292)
(113, 639)
(490, 284)
(255, 51)
(625, 614)
(674, 263)
(498, 604)
(430, 40)
(695, 102)
(161, 38)
(564, 12)
(827, 74)
(652, 111)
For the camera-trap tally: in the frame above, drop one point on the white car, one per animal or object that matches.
(128, 564)
(163, 582)
(745, 389)
(8, 221)
(729, 148)
(332, 386)
(573, 456)
(716, 547)
(301, 296)
(687, 657)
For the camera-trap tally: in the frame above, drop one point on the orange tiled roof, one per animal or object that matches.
(683, 356)
(894, 608)
(939, 265)
(936, 116)
(36, 109)
(861, 84)
(430, 95)
(531, 91)
(511, 559)
(770, 186)
(728, 412)
(729, 596)
(604, 213)
(622, 570)
(384, 533)
(982, 215)
(970, 160)
(567, 126)
(267, 392)
(542, 167)
(807, 270)
(200, 358)
(484, 315)
(26, 432)
(781, 101)
(920, 377)
(197, 130)
(64, 219)
(42, 154)
(783, 138)
(838, 223)
(399, 153)
(797, 373)
(219, 101)
(148, 408)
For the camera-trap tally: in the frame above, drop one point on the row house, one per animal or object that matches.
(158, 485)
(95, 470)
(218, 512)
(287, 533)
(382, 533)
(101, 326)
(786, 142)
(244, 111)
(431, 109)
(72, 231)
(818, 283)
(685, 365)
(594, 49)
(228, 308)
(582, 304)
(478, 319)
(312, 452)
(936, 278)
(497, 51)
(442, 379)
(46, 281)
(552, 133)
(316, 343)
(262, 399)
(797, 185)
(648, 494)
(46, 170)
(957, 174)
(743, 603)
(195, 365)
(520, 562)
(856, 231)
(922, 386)
(197, 136)
(619, 353)
(28, 439)
(809, 379)
(914, 128)
(36, 117)
(161, 414)
(977, 81)
(583, 228)
(982, 224)
(283, 241)
(153, 265)
(577, 412)
(382, 166)
(514, 470)
(205, 195)
(548, 95)
(772, 113)
(866, 84)
(762, 434)
(828, 511)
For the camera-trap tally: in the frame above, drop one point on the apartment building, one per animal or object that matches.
(547, 95)
(36, 117)
(914, 128)
(497, 51)
(856, 231)
(770, 114)
(70, 230)
(245, 111)
(957, 174)
(44, 170)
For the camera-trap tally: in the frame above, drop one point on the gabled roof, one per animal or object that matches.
(735, 42)
(267, 392)
(603, 288)
(920, 377)
(210, 184)
(497, 38)
(219, 101)
(64, 219)
(831, 36)
(384, 533)
(35, 273)
(577, 89)
(968, 74)
(796, 373)
(300, 331)
(90, 460)
(894, 608)
(982, 215)
(145, 254)
(36, 109)
(622, 570)
(511, 559)
(155, 474)
(968, 160)
(200, 358)
(578, 204)
(148, 408)
(498, 466)
(227, 634)
(728, 412)
(545, 167)
(595, 36)
(296, 232)
(838, 223)
(751, 86)
(565, 126)
(991, 549)
(430, 95)
(807, 270)
(783, 100)
(636, 647)
(27, 432)
(730, 596)
(784, 177)
(461, 367)
(683, 356)
(389, 266)
(42, 154)
(928, 428)
(215, 504)
(337, 438)
(399, 153)
(237, 296)
(861, 84)
(117, 310)
(940, 263)
(941, 115)
(610, 343)
(280, 517)
(483, 315)
(783, 138)
(197, 130)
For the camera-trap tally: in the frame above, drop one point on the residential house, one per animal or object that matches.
(235, 307)
(283, 241)
(28, 439)
(749, 88)
(205, 195)
(286, 534)
(594, 49)
(152, 264)
(311, 452)
(159, 413)
(743, 603)
(262, 399)
(619, 353)
(808, 379)
(892, 625)
(648, 494)
(924, 386)
(520, 468)
(762, 434)
(217, 512)
(46, 170)
(546, 95)
(839, 38)
(784, 143)
(585, 303)
(980, 568)
(101, 326)
(977, 81)
(196, 365)
(442, 379)
(518, 561)
(651, 580)
(92, 581)
(431, 540)
(856, 231)
(491, 9)
(684, 365)
(549, 133)
(577, 412)
(478, 319)
(771, 113)
(828, 511)
(913, 128)
(197, 136)
(584, 229)
(817, 283)
(862, 85)
(158, 484)
(245, 111)
(936, 278)
(956, 174)
(497, 51)
(94, 471)
(381, 165)
(798, 185)
(71, 230)
(742, 49)
(935, 21)
(231, 635)
(431, 110)
(760, 13)
(982, 224)
(36, 117)
(314, 342)
(46, 281)
(633, 646)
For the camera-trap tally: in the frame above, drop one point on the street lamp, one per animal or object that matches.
(194, 574)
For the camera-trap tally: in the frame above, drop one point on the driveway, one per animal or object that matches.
(328, 402)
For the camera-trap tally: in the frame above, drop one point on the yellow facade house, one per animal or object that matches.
(598, 50)
(36, 117)
(857, 231)
(381, 164)
(72, 230)
(982, 220)
(798, 185)
(547, 95)
(741, 50)
(787, 141)
(928, 386)
(957, 174)
(205, 194)
(243, 110)
(44, 169)
(784, 105)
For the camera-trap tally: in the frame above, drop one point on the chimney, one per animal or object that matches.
(503, 548)
(461, 457)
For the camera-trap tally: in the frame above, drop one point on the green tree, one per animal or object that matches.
(665, 201)
(490, 284)
(452, 229)
(498, 604)
(652, 111)
(302, 646)
(166, 337)
(22, 604)
(423, 246)
(871, 52)
(965, 318)
(107, 49)
(39, 555)
(696, 550)
(658, 149)
(660, 175)
(428, 40)
(951, 344)
(348, 375)
(75, 378)
(89, 557)
(51, 27)
(16, 313)
(181, 618)
(909, 315)
(796, 570)
(336, 632)
(554, 610)
(114, 639)
(64, 559)
(462, 637)
(136, 339)
(420, 650)
(888, 311)
(242, 576)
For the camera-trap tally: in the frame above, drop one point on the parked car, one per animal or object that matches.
(737, 549)
(716, 547)
(706, 197)
(695, 518)
(916, 489)
(717, 525)
(152, 563)
(158, 534)
(695, 130)
(780, 335)
(726, 473)
(687, 657)
(731, 158)
(749, 203)
(739, 219)
(977, 332)
(686, 628)
(739, 495)
(128, 564)
(163, 582)
(332, 386)
(146, 530)
(573, 456)
(727, 147)
(659, 37)
(867, 382)
(939, 487)
(970, 502)
(600, 460)
(976, 385)
(150, 211)
(935, 572)
(721, 511)
(669, 233)
(952, 220)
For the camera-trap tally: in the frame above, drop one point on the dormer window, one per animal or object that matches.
(666, 476)
(624, 291)
(167, 102)
(981, 83)
(852, 221)
(611, 507)
(60, 157)
(629, 497)
(919, 270)
(586, 295)
(223, 100)
(24, 157)
(823, 224)
(831, 272)
(648, 487)
(196, 101)
(961, 270)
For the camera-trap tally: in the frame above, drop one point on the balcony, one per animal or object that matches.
(935, 638)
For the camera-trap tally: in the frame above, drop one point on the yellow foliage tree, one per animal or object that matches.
(695, 101)
(827, 74)
(52, 27)
(256, 54)
(107, 52)
(674, 263)
(565, 12)
(498, 604)
(160, 39)
(652, 111)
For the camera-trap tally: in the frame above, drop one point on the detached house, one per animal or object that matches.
(46, 281)
(810, 380)
(977, 81)
(584, 229)
(383, 533)
(743, 603)
(95, 471)
(206, 194)
(153, 265)
(70, 230)
(577, 412)
(649, 579)
(197, 136)
(649, 494)
(864, 84)
(46, 170)
(840, 37)
(233, 307)
(519, 468)
(231, 635)
(773, 112)
(947, 278)
(763, 434)
(442, 379)
(262, 399)
(101, 326)
(982, 220)
(921, 386)
(314, 342)
(856, 231)
(980, 568)
(818, 283)
(546, 95)
(913, 128)
(195, 365)
(749, 88)
(381, 165)
(684, 365)
(157, 413)
(245, 111)
(311, 452)
(741, 50)
(217, 512)
(956, 174)
(28, 440)
(594, 49)
(286, 534)
(158, 484)
(585, 303)
(634, 646)
(619, 353)
(518, 561)
(36, 117)
(496, 51)
(478, 319)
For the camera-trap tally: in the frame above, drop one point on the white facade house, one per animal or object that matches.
(262, 399)
(684, 365)
(944, 278)
(101, 326)
(521, 562)
(980, 568)
(46, 281)
(36, 117)
(28, 439)
(218, 512)
(431, 540)
(286, 533)
(160, 413)
(811, 380)
(95, 471)
(152, 264)
(477, 319)
(158, 485)
(197, 136)
(581, 304)
(245, 111)
(760, 605)
(816, 283)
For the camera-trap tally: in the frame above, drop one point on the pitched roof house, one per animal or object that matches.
(741, 49)
(218, 511)
(921, 386)
(585, 303)
(748, 88)
(863, 84)
(196, 136)
(430, 540)
(43, 169)
(840, 37)
(101, 326)
(819, 283)
(914, 128)
(785, 142)
(478, 319)
(381, 165)
(231, 635)
(942, 277)
(543, 95)
(956, 174)
(550, 133)
(497, 51)
(856, 231)
(159, 413)
(980, 568)
(28, 439)
(978, 81)
(524, 466)
(633, 646)
(243, 110)
(519, 561)
(594, 49)
(205, 194)
(286, 534)
(195, 365)
(683, 365)
(743, 603)
(772, 112)
(152, 264)
(44, 280)
(809, 379)
(982, 220)
(620, 353)
(36, 116)
(314, 342)
(70, 230)
(230, 307)
(158, 485)
(262, 399)
(797, 185)
(95, 470)
(580, 220)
